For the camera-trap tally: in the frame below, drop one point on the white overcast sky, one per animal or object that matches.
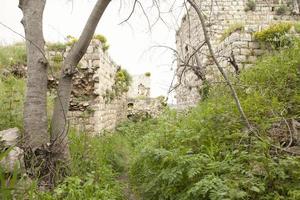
(130, 43)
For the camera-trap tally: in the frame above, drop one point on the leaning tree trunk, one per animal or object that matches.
(59, 124)
(210, 48)
(35, 108)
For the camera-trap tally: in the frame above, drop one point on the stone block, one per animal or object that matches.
(241, 44)
(254, 45)
(259, 52)
(9, 136)
(90, 49)
(245, 52)
(252, 59)
(241, 58)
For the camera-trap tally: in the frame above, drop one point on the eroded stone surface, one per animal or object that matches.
(14, 158)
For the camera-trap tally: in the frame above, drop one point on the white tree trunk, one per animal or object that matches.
(35, 108)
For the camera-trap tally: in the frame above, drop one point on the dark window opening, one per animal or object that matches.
(130, 105)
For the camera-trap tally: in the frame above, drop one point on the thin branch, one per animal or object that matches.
(207, 39)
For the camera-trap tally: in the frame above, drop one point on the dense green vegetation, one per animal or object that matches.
(11, 102)
(204, 153)
(275, 35)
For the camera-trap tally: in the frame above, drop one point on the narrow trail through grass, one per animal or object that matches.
(129, 194)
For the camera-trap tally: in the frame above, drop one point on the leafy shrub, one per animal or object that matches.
(13, 55)
(250, 5)
(275, 35)
(103, 40)
(105, 47)
(122, 82)
(205, 154)
(231, 29)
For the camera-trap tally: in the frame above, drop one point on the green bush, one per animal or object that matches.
(231, 29)
(13, 55)
(122, 82)
(275, 35)
(206, 154)
(103, 40)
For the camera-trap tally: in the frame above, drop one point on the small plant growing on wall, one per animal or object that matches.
(231, 29)
(281, 10)
(122, 82)
(148, 74)
(275, 35)
(71, 40)
(103, 40)
(250, 5)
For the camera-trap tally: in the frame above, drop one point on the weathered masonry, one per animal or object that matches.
(236, 50)
(97, 103)
(92, 109)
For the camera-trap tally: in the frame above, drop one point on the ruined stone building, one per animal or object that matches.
(140, 86)
(97, 104)
(140, 103)
(235, 51)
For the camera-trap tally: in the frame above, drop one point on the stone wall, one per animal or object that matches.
(240, 45)
(91, 109)
(145, 107)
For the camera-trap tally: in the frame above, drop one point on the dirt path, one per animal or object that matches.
(129, 194)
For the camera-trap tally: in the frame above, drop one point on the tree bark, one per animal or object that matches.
(59, 124)
(207, 39)
(35, 108)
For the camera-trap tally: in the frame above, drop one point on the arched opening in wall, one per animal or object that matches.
(130, 105)
(130, 116)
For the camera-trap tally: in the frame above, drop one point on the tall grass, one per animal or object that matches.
(11, 102)
(12, 55)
